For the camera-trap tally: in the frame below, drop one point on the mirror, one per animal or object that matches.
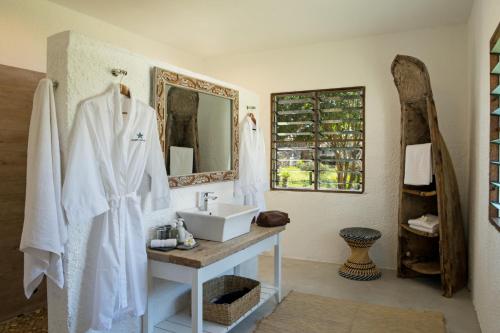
(198, 128)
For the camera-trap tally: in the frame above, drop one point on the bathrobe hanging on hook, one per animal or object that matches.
(253, 181)
(110, 156)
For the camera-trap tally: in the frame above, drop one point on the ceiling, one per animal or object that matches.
(215, 27)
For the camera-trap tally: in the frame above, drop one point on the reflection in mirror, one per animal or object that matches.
(198, 128)
(198, 131)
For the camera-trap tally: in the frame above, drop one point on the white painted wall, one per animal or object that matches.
(26, 24)
(82, 66)
(318, 217)
(484, 244)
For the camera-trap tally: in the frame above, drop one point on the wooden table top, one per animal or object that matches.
(209, 252)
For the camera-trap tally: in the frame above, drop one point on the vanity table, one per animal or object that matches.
(206, 262)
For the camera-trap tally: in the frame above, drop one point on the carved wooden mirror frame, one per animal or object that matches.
(163, 77)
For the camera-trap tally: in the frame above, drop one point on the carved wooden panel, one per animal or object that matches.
(17, 87)
(163, 77)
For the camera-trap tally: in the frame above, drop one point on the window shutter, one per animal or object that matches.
(494, 207)
(318, 140)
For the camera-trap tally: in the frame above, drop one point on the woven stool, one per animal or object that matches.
(359, 266)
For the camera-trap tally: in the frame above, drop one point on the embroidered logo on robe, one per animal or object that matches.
(139, 137)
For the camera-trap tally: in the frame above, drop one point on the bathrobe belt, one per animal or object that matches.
(119, 205)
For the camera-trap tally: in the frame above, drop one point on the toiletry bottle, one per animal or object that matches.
(174, 232)
(181, 231)
(168, 231)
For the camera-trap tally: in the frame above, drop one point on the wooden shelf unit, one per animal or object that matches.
(420, 253)
(423, 267)
(418, 232)
(420, 193)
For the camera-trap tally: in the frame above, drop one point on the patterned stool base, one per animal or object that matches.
(360, 272)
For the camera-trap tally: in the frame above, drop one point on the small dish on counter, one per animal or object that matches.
(187, 247)
(183, 247)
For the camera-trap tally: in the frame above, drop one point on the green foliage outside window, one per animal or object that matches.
(318, 140)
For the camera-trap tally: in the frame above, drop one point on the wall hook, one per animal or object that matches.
(118, 72)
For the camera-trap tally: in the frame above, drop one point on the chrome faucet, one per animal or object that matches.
(203, 200)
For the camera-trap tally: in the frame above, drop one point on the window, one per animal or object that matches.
(318, 140)
(494, 207)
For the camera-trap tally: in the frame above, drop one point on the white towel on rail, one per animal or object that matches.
(418, 164)
(44, 230)
(181, 161)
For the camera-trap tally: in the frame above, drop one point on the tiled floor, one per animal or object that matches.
(323, 279)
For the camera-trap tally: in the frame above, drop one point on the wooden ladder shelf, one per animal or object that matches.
(421, 253)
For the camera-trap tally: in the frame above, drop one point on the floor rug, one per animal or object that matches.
(300, 313)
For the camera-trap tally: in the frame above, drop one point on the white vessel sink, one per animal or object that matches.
(220, 222)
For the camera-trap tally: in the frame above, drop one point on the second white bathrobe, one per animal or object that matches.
(109, 157)
(253, 181)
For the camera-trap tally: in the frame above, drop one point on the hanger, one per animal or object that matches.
(254, 120)
(124, 90)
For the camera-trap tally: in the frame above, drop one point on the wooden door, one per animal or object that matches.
(17, 87)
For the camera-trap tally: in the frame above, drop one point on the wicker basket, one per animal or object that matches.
(227, 314)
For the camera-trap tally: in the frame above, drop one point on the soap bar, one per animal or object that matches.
(163, 243)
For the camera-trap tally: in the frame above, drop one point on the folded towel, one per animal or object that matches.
(418, 164)
(429, 230)
(163, 243)
(428, 221)
(181, 161)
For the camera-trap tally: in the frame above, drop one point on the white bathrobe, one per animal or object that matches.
(253, 181)
(109, 157)
(44, 230)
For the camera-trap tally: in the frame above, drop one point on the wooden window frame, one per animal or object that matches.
(494, 165)
(316, 143)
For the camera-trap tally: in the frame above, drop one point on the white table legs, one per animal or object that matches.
(237, 270)
(196, 303)
(147, 324)
(277, 268)
(196, 277)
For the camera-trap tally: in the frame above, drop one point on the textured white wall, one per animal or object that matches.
(318, 217)
(82, 66)
(484, 238)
